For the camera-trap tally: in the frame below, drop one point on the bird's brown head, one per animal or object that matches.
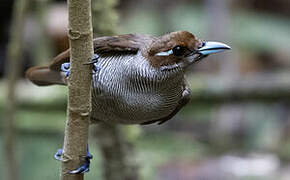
(179, 49)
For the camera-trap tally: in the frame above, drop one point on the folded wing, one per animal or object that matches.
(107, 45)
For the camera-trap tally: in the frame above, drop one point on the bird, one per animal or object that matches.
(136, 78)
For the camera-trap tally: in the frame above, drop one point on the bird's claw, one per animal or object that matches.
(57, 155)
(96, 68)
(94, 62)
(65, 67)
(83, 168)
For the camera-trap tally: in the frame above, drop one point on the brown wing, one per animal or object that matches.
(128, 43)
(109, 45)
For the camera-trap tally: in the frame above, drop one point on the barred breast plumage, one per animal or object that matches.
(129, 90)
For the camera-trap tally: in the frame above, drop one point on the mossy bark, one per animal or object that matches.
(12, 71)
(79, 88)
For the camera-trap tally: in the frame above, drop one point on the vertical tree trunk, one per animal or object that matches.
(117, 150)
(218, 11)
(79, 88)
(118, 153)
(14, 52)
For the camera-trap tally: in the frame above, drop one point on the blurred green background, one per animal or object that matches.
(237, 124)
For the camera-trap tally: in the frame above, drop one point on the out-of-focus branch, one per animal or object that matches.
(79, 88)
(104, 17)
(256, 87)
(43, 49)
(117, 150)
(118, 153)
(14, 53)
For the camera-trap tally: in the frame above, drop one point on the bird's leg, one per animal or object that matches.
(94, 61)
(83, 168)
(86, 166)
(65, 67)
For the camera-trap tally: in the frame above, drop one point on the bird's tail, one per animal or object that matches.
(44, 76)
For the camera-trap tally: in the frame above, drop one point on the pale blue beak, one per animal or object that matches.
(211, 47)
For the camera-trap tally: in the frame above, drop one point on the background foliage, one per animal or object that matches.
(237, 125)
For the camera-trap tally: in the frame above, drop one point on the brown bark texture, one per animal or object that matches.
(79, 88)
(12, 71)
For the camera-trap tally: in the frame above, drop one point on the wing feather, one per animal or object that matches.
(127, 43)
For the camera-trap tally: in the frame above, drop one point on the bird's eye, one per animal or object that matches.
(179, 50)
